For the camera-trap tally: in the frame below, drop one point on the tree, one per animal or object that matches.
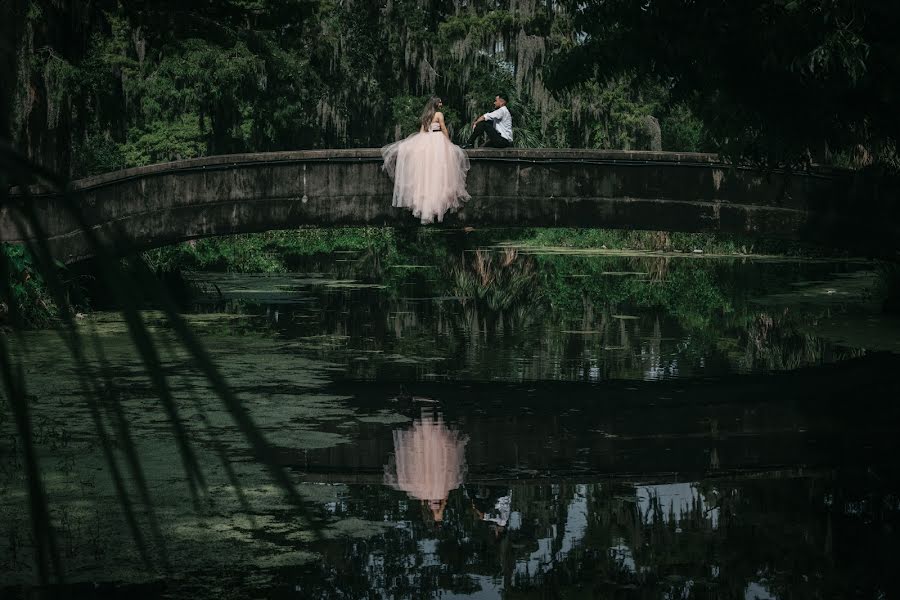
(778, 80)
(143, 82)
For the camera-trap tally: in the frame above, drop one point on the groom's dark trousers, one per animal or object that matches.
(494, 139)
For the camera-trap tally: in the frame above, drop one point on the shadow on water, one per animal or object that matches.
(94, 380)
(471, 421)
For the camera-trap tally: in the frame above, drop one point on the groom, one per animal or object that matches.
(496, 125)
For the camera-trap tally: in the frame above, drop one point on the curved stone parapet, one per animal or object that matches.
(161, 204)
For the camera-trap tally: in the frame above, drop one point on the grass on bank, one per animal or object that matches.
(664, 241)
(272, 252)
(269, 252)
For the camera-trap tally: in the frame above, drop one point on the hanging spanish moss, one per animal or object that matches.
(143, 86)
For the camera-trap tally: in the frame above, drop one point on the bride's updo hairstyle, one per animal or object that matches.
(428, 114)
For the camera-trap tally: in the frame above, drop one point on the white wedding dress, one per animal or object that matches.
(429, 174)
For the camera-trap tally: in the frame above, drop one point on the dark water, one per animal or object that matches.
(509, 424)
(724, 477)
(706, 490)
(510, 315)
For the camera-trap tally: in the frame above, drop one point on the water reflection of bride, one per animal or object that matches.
(429, 462)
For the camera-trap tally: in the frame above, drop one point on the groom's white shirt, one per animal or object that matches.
(502, 120)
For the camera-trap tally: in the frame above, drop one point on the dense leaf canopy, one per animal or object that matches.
(112, 84)
(773, 79)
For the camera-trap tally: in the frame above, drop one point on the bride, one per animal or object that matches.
(429, 172)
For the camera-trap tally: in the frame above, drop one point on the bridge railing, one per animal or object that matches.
(165, 203)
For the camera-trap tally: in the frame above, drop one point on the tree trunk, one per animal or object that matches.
(11, 31)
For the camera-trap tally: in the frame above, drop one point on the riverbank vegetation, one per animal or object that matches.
(25, 292)
(277, 251)
(284, 251)
(270, 252)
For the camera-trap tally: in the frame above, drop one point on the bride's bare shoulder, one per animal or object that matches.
(439, 116)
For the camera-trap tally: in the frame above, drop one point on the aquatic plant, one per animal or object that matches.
(27, 291)
(96, 379)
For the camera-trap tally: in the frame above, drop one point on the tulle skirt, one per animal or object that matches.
(429, 460)
(429, 174)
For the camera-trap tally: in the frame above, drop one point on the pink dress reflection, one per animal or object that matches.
(429, 461)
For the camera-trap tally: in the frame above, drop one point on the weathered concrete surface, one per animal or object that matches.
(165, 203)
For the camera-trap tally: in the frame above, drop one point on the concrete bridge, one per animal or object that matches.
(162, 204)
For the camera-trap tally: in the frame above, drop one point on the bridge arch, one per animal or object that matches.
(166, 203)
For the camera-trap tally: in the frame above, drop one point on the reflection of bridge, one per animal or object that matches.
(634, 430)
(165, 203)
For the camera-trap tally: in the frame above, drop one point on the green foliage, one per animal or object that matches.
(59, 77)
(26, 289)
(459, 27)
(691, 292)
(406, 111)
(162, 141)
(95, 154)
(239, 254)
(682, 131)
(315, 240)
(617, 239)
(34, 12)
(494, 282)
(788, 81)
(778, 82)
(259, 76)
(269, 252)
(619, 114)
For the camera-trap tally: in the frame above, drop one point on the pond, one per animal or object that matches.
(476, 420)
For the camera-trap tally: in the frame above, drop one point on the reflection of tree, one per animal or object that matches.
(496, 288)
(798, 537)
(707, 305)
(496, 279)
(428, 462)
(778, 340)
(804, 537)
(493, 313)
